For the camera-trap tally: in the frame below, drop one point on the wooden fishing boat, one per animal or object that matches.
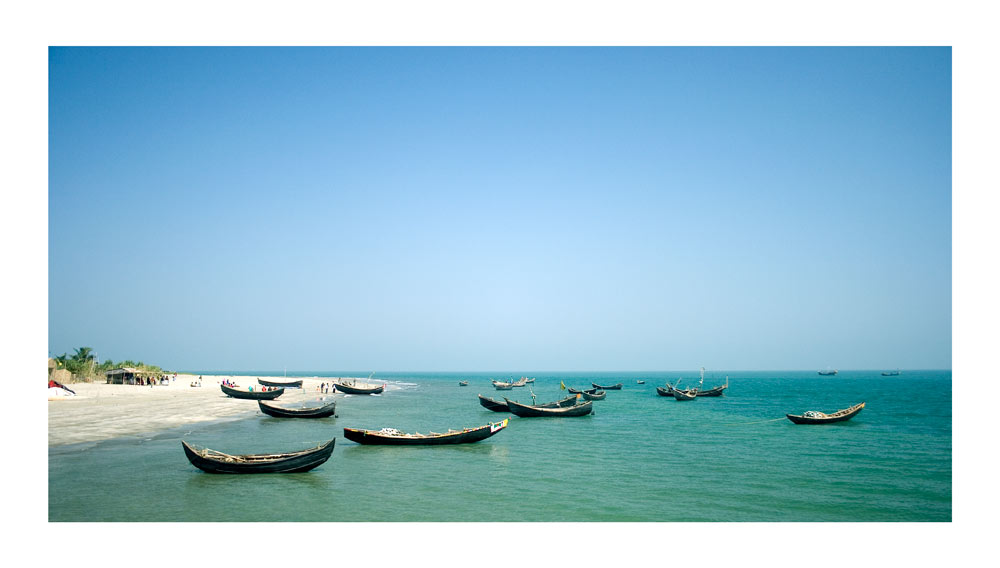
(292, 462)
(528, 411)
(814, 417)
(640, 382)
(612, 387)
(714, 391)
(497, 406)
(308, 412)
(359, 388)
(689, 394)
(573, 391)
(598, 395)
(500, 386)
(252, 395)
(494, 405)
(290, 384)
(463, 383)
(828, 372)
(393, 437)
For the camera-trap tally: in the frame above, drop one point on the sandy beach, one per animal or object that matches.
(100, 411)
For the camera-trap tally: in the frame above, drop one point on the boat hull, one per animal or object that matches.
(468, 436)
(600, 395)
(294, 462)
(682, 395)
(526, 411)
(281, 412)
(254, 395)
(839, 416)
(288, 385)
(494, 405)
(607, 388)
(349, 389)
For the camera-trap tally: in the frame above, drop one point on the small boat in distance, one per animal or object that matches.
(252, 395)
(308, 412)
(528, 411)
(814, 417)
(501, 386)
(890, 373)
(289, 385)
(612, 387)
(828, 372)
(640, 382)
(497, 406)
(463, 383)
(213, 461)
(393, 437)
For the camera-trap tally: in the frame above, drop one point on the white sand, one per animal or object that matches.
(101, 411)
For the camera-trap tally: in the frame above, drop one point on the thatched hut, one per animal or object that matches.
(132, 376)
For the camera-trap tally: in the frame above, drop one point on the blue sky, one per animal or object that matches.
(502, 208)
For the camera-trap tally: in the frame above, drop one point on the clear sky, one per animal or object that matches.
(502, 208)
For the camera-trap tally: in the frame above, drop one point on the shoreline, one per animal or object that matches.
(100, 411)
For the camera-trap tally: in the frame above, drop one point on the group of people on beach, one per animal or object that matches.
(325, 387)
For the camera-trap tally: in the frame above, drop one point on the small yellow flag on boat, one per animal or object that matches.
(562, 385)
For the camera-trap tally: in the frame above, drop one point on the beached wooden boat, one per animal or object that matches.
(494, 405)
(814, 417)
(217, 462)
(393, 437)
(528, 411)
(463, 383)
(597, 395)
(612, 387)
(252, 395)
(308, 412)
(288, 385)
(359, 388)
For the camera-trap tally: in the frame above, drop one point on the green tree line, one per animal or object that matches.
(83, 364)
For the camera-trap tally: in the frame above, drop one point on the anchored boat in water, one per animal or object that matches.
(815, 417)
(393, 437)
(213, 461)
(322, 411)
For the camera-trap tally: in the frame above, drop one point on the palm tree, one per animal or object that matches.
(83, 354)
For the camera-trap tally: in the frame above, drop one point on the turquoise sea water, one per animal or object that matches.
(641, 457)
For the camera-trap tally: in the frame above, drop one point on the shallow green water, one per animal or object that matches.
(641, 457)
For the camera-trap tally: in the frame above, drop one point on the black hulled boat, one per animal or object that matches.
(813, 417)
(290, 384)
(291, 462)
(359, 388)
(252, 395)
(612, 387)
(528, 411)
(393, 437)
(494, 405)
(308, 412)
(596, 395)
